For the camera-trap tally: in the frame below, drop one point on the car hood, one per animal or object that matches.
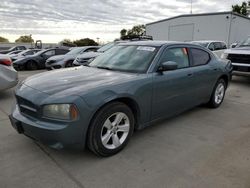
(74, 81)
(240, 50)
(89, 55)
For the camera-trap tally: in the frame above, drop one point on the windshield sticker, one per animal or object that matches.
(146, 48)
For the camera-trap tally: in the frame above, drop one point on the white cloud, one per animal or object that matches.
(54, 20)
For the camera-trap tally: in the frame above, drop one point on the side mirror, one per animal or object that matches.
(167, 66)
(234, 45)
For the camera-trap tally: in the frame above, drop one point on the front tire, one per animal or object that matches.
(32, 65)
(69, 64)
(218, 94)
(111, 129)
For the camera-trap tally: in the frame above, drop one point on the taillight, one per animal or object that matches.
(6, 62)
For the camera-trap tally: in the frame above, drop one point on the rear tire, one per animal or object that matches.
(218, 94)
(32, 65)
(111, 129)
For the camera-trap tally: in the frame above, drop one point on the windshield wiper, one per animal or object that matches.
(106, 68)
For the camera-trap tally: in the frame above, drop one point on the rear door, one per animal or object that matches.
(205, 74)
(173, 90)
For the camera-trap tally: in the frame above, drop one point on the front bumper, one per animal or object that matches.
(55, 135)
(55, 65)
(241, 67)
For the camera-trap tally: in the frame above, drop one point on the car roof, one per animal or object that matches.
(207, 41)
(151, 43)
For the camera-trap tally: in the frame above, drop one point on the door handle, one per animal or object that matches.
(190, 74)
(215, 69)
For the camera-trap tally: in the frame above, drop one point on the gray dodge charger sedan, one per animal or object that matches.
(125, 89)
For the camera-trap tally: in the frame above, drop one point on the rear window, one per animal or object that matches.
(200, 57)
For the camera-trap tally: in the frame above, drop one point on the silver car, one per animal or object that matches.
(66, 60)
(8, 75)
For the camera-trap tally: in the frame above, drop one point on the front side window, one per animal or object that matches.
(200, 57)
(178, 55)
(126, 58)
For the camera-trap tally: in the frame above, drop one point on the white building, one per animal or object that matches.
(224, 26)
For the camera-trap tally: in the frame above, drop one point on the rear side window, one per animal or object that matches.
(61, 51)
(91, 50)
(200, 57)
(178, 55)
(217, 46)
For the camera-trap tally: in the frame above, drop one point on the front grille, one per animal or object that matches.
(83, 60)
(26, 107)
(239, 58)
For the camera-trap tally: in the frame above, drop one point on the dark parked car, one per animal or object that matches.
(62, 61)
(24, 53)
(15, 48)
(125, 89)
(37, 61)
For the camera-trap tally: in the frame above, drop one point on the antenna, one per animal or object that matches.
(191, 11)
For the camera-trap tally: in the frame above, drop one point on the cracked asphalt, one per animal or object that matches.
(200, 148)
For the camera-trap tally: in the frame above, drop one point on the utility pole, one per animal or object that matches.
(191, 11)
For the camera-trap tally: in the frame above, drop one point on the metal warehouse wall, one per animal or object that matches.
(201, 27)
(240, 29)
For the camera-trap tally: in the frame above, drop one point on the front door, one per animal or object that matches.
(173, 90)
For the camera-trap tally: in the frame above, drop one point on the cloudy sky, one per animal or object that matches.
(54, 20)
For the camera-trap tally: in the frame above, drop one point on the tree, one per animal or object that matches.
(85, 42)
(135, 31)
(67, 42)
(25, 39)
(2, 39)
(241, 9)
(123, 32)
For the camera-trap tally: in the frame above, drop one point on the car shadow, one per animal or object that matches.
(242, 80)
(137, 138)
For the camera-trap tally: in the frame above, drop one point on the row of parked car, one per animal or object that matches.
(55, 58)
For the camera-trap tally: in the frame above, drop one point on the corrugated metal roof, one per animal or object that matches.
(201, 14)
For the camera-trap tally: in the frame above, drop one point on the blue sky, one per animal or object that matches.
(54, 20)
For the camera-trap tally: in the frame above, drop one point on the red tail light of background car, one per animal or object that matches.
(6, 62)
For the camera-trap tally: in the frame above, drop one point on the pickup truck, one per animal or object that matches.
(239, 55)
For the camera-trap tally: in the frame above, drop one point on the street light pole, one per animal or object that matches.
(191, 11)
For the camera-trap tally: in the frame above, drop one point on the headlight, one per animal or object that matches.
(61, 111)
(224, 56)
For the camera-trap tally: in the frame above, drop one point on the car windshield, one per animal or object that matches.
(106, 47)
(204, 44)
(245, 42)
(134, 59)
(75, 51)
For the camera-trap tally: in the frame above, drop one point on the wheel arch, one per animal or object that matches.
(131, 103)
(225, 78)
